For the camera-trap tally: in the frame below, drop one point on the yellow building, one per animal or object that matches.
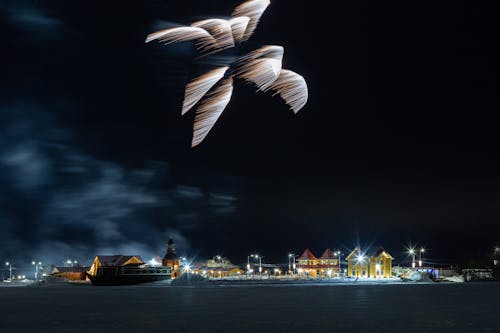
(375, 264)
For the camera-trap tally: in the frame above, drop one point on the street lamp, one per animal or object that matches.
(495, 256)
(37, 265)
(260, 264)
(411, 251)
(291, 263)
(10, 270)
(338, 254)
(254, 256)
(422, 250)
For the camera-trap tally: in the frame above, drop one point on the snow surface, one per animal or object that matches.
(409, 308)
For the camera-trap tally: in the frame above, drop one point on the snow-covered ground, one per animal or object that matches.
(409, 308)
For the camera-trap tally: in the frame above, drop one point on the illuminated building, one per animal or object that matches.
(69, 273)
(103, 264)
(374, 264)
(326, 266)
(171, 260)
(218, 267)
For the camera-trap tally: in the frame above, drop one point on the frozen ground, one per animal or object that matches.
(464, 307)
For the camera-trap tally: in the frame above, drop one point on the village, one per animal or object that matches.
(358, 265)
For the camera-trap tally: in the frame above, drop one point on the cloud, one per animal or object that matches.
(26, 165)
(60, 202)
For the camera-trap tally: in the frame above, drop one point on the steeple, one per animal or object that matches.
(170, 255)
(170, 258)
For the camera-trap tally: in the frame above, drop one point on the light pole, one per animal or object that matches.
(37, 267)
(10, 270)
(338, 254)
(411, 251)
(71, 263)
(291, 262)
(254, 256)
(422, 250)
(495, 258)
(260, 265)
(248, 265)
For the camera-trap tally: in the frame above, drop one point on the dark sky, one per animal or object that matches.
(397, 144)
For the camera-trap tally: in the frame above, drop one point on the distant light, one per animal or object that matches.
(422, 250)
(413, 265)
(68, 261)
(187, 267)
(360, 258)
(33, 263)
(39, 263)
(7, 263)
(377, 267)
(420, 263)
(153, 262)
(411, 251)
(300, 270)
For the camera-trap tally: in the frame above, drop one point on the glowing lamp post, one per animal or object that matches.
(254, 256)
(291, 263)
(71, 263)
(338, 254)
(422, 250)
(37, 265)
(10, 269)
(411, 251)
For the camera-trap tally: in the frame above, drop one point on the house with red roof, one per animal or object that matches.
(327, 265)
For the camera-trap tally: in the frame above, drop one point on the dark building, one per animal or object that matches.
(171, 260)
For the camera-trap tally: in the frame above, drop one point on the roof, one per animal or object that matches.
(219, 269)
(307, 255)
(116, 260)
(328, 254)
(372, 253)
(378, 251)
(353, 252)
(62, 269)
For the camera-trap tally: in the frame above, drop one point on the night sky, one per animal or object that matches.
(398, 143)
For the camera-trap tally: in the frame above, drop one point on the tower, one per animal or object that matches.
(170, 259)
